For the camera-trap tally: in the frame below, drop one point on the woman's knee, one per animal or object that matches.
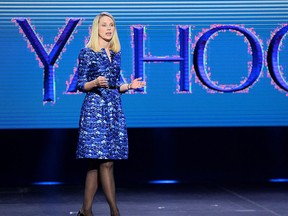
(107, 165)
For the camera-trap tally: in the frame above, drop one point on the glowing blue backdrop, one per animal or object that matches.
(227, 61)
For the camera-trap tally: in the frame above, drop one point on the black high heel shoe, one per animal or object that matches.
(80, 214)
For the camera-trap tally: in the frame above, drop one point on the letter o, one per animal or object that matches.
(273, 57)
(199, 62)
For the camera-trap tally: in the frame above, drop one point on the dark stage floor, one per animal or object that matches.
(155, 200)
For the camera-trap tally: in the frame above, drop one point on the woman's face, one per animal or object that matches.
(106, 28)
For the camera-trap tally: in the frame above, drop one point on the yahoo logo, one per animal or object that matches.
(48, 60)
(199, 58)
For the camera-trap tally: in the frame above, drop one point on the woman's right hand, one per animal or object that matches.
(101, 81)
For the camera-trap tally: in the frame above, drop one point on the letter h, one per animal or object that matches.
(184, 58)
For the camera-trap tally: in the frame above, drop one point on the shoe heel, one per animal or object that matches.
(80, 214)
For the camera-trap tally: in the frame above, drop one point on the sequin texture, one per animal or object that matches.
(102, 124)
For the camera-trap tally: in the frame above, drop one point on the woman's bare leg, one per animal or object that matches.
(108, 185)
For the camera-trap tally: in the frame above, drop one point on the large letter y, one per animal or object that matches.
(46, 59)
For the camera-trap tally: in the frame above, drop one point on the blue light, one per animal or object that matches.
(47, 183)
(277, 180)
(164, 182)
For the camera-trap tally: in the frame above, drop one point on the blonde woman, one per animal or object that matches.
(102, 125)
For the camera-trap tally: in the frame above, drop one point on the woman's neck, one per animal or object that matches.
(104, 44)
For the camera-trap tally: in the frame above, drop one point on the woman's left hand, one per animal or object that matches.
(136, 83)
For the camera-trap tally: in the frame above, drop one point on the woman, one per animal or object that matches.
(102, 126)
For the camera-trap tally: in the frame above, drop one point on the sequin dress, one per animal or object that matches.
(102, 125)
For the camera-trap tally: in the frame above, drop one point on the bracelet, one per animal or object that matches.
(129, 86)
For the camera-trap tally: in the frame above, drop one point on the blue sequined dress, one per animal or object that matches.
(102, 125)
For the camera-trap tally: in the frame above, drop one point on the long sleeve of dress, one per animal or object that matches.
(84, 64)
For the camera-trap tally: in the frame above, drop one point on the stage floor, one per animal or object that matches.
(155, 200)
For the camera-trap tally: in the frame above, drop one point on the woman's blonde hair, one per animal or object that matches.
(93, 41)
